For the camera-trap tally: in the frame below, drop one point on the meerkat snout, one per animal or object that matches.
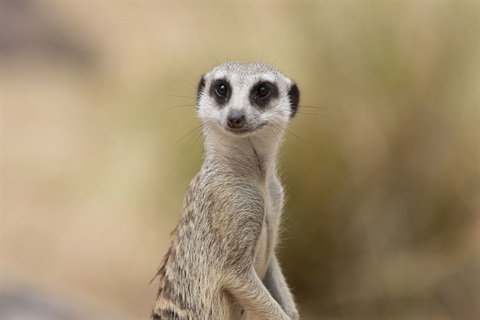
(236, 119)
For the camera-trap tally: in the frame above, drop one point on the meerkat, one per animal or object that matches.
(221, 264)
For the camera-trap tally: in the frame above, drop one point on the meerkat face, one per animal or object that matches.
(242, 99)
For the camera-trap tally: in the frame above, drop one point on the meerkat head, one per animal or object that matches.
(242, 99)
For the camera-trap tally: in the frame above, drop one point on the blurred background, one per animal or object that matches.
(100, 140)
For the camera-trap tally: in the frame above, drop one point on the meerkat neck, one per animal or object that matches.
(253, 153)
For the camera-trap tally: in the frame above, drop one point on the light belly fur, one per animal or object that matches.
(262, 252)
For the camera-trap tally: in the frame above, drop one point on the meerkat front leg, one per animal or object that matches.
(252, 294)
(275, 283)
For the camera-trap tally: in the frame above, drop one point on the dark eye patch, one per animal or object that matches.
(294, 98)
(262, 93)
(200, 89)
(221, 91)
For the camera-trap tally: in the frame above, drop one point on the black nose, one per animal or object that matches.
(236, 119)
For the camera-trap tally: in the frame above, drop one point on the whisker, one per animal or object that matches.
(273, 132)
(228, 54)
(190, 76)
(191, 84)
(278, 57)
(282, 154)
(189, 133)
(198, 136)
(214, 58)
(207, 131)
(155, 115)
(316, 107)
(178, 96)
(176, 107)
(208, 128)
(147, 118)
(193, 138)
(293, 134)
(313, 114)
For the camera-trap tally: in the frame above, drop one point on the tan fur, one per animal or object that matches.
(221, 264)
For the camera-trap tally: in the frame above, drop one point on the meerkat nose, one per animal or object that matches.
(236, 119)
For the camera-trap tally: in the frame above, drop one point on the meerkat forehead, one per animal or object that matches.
(241, 73)
(245, 69)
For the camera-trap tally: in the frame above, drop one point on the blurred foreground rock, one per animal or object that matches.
(22, 302)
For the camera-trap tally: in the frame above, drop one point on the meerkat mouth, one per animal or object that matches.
(240, 132)
(245, 131)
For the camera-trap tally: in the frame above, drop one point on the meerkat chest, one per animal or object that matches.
(262, 253)
(273, 197)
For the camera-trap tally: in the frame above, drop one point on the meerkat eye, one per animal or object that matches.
(221, 90)
(263, 91)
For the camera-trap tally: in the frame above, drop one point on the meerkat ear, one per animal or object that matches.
(200, 88)
(294, 98)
